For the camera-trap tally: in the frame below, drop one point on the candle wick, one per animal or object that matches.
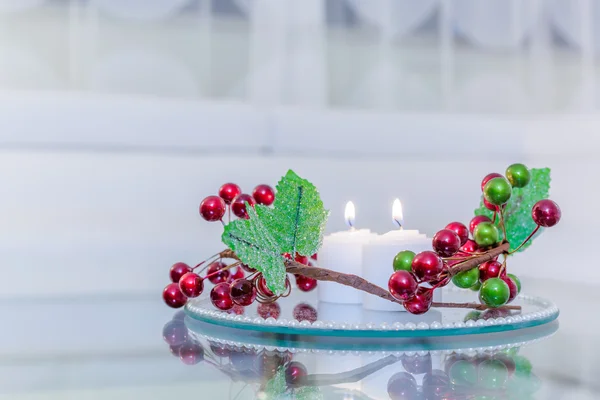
(399, 223)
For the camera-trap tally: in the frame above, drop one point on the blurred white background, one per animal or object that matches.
(117, 117)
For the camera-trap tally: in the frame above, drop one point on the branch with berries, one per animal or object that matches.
(277, 235)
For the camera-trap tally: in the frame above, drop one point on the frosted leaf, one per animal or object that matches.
(276, 387)
(519, 223)
(253, 243)
(298, 218)
(308, 393)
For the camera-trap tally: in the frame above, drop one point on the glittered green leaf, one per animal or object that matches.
(276, 387)
(519, 223)
(252, 242)
(308, 393)
(297, 219)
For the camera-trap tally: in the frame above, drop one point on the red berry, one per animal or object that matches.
(287, 256)
(315, 256)
(305, 283)
(294, 372)
(264, 194)
(469, 247)
(173, 297)
(266, 310)
(178, 270)
(229, 191)
(191, 285)
(175, 333)
(476, 221)
(236, 309)
(421, 302)
(238, 206)
(461, 230)
(512, 286)
(490, 206)
(489, 177)
(220, 296)
(243, 292)
(546, 213)
(191, 353)
(239, 274)
(216, 274)
(212, 208)
(427, 265)
(446, 243)
(490, 269)
(402, 285)
(262, 287)
(247, 268)
(305, 312)
(302, 259)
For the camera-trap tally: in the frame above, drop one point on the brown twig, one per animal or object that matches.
(323, 274)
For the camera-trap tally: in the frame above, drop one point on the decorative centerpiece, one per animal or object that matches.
(278, 234)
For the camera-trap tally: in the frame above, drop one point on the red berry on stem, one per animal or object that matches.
(262, 287)
(229, 191)
(546, 213)
(216, 274)
(239, 274)
(427, 265)
(305, 283)
(512, 286)
(476, 221)
(301, 259)
(220, 296)
(305, 312)
(247, 268)
(212, 208)
(178, 270)
(264, 194)
(421, 302)
(489, 177)
(243, 292)
(402, 285)
(294, 372)
(238, 206)
(490, 206)
(469, 247)
(173, 297)
(191, 285)
(490, 269)
(461, 230)
(191, 353)
(446, 243)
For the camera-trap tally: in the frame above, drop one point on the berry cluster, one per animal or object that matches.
(500, 374)
(232, 286)
(416, 276)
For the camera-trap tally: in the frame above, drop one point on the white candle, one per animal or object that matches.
(342, 252)
(378, 256)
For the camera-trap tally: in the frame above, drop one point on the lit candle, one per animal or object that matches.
(379, 253)
(342, 252)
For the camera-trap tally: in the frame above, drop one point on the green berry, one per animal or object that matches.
(472, 316)
(403, 260)
(463, 373)
(493, 374)
(466, 279)
(497, 191)
(517, 281)
(476, 287)
(494, 292)
(518, 175)
(486, 234)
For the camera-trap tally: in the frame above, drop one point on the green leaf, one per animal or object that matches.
(276, 387)
(308, 393)
(519, 223)
(252, 242)
(298, 218)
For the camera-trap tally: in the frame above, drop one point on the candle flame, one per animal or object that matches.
(397, 214)
(350, 214)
